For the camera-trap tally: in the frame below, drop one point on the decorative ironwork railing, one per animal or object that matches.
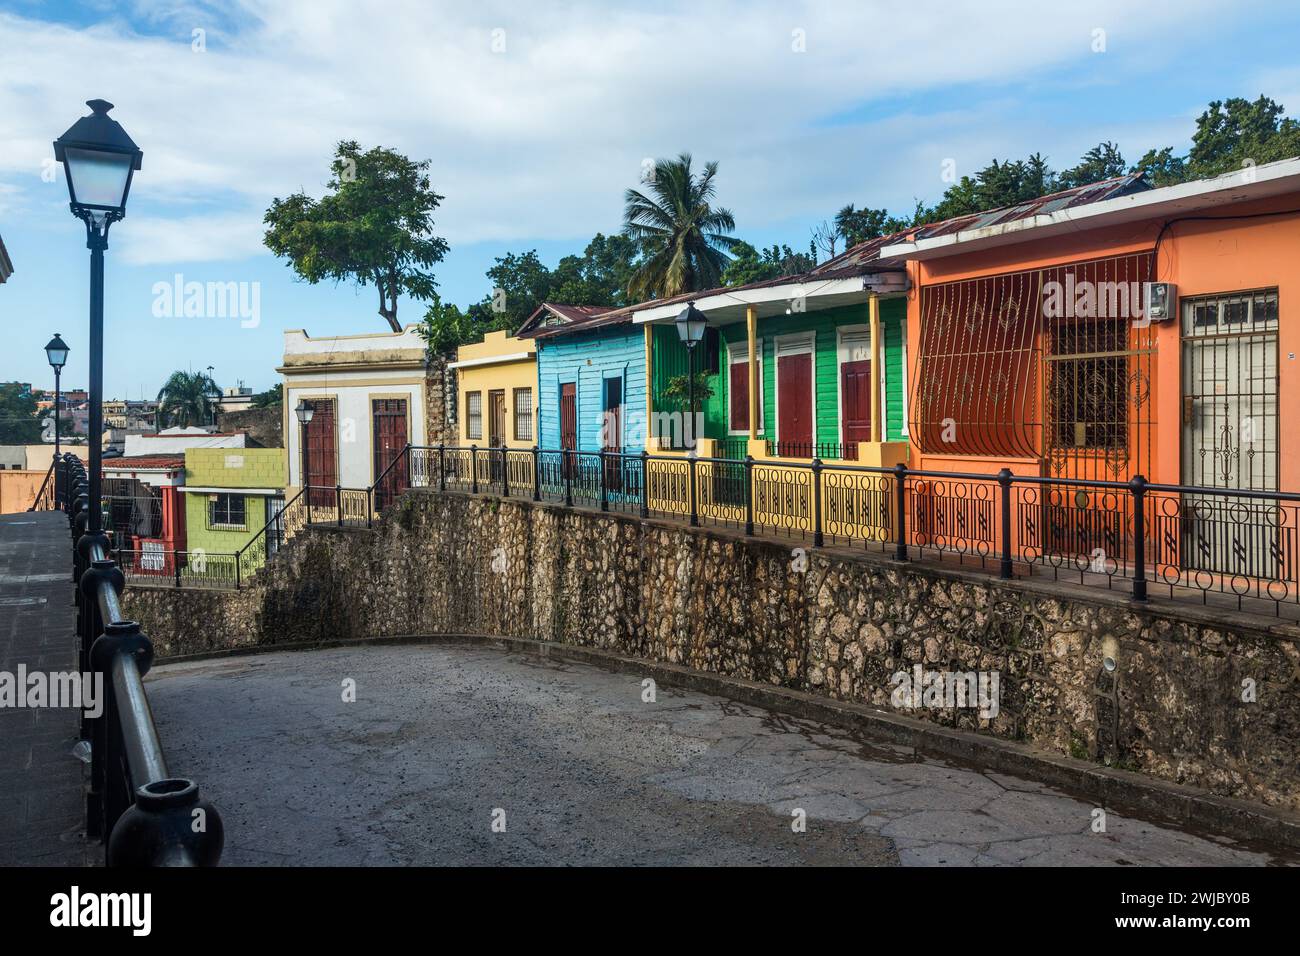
(144, 815)
(1234, 547)
(839, 451)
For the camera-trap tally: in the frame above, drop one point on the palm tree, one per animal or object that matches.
(187, 398)
(681, 236)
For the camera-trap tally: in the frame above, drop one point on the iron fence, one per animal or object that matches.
(1233, 548)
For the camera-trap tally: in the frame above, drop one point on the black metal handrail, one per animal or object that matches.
(144, 816)
(50, 499)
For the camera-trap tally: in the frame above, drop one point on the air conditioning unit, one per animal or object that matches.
(1160, 299)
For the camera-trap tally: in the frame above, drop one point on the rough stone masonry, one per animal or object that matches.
(1177, 703)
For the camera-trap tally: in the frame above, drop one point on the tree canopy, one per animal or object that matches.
(186, 399)
(374, 227)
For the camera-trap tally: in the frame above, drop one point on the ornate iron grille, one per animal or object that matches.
(1055, 364)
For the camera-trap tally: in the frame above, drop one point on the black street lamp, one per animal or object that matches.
(56, 351)
(99, 160)
(690, 329)
(305, 411)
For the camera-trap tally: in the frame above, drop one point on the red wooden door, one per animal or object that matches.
(855, 394)
(739, 385)
(794, 404)
(569, 423)
(389, 437)
(321, 471)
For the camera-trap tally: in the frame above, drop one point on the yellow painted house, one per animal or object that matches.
(496, 392)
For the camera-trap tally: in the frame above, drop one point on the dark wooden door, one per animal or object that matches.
(321, 467)
(569, 423)
(794, 403)
(739, 384)
(389, 437)
(855, 395)
(496, 417)
(612, 437)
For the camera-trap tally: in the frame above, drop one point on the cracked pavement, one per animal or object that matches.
(441, 737)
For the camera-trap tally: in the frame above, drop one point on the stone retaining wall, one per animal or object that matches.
(832, 621)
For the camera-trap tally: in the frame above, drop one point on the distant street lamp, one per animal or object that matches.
(56, 351)
(305, 411)
(99, 159)
(690, 329)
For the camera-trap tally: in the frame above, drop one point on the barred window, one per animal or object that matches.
(523, 399)
(474, 415)
(226, 511)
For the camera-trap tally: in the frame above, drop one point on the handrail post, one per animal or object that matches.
(442, 467)
(505, 473)
(604, 495)
(307, 496)
(645, 483)
(237, 578)
(690, 473)
(176, 566)
(749, 494)
(900, 506)
(338, 504)
(537, 475)
(1139, 488)
(567, 467)
(473, 469)
(1004, 479)
(817, 502)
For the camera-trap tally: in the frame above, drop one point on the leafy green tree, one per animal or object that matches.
(600, 276)
(756, 265)
(375, 226)
(1103, 161)
(1162, 167)
(186, 399)
(1229, 135)
(682, 236)
(19, 424)
(445, 326)
(273, 397)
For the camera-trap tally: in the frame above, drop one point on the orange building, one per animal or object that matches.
(1033, 347)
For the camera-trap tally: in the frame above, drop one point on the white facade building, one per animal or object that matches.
(367, 395)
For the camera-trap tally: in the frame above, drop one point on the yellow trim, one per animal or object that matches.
(751, 323)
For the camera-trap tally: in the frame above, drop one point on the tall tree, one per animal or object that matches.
(1103, 161)
(187, 398)
(749, 264)
(19, 424)
(682, 236)
(375, 226)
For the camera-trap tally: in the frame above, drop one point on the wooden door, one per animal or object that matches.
(855, 396)
(739, 385)
(388, 431)
(569, 423)
(320, 469)
(612, 432)
(496, 417)
(794, 404)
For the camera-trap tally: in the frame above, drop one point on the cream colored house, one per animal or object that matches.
(367, 393)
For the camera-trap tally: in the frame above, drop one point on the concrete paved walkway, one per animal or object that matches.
(42, 816)
(444, 740)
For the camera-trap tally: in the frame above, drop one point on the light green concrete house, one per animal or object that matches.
(230, 495)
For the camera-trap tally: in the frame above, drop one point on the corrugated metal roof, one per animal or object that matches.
(146, 463)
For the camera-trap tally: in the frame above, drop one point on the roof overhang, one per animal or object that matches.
(723, 306)
(224, 490)
(6, 264)
(1166, 202)
(494, 360)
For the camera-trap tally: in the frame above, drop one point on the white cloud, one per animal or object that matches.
(152, 240)
(541, 139)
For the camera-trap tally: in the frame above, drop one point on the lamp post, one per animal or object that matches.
(305, 411)
(690, 329)
(56, 351)
(98, 159)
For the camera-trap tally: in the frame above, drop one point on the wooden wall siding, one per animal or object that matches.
(620, 350)
(670, 360)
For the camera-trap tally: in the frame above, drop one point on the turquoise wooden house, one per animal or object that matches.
(591, 381)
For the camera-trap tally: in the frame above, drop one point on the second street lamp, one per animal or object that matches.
(99, 159)
(56, 352)
(304, 411)
(690, 329)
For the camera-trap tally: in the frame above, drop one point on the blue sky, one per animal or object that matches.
(536, 118)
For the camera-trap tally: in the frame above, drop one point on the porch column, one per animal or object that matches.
(751, 325)
(650, 443)
(873, 308)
